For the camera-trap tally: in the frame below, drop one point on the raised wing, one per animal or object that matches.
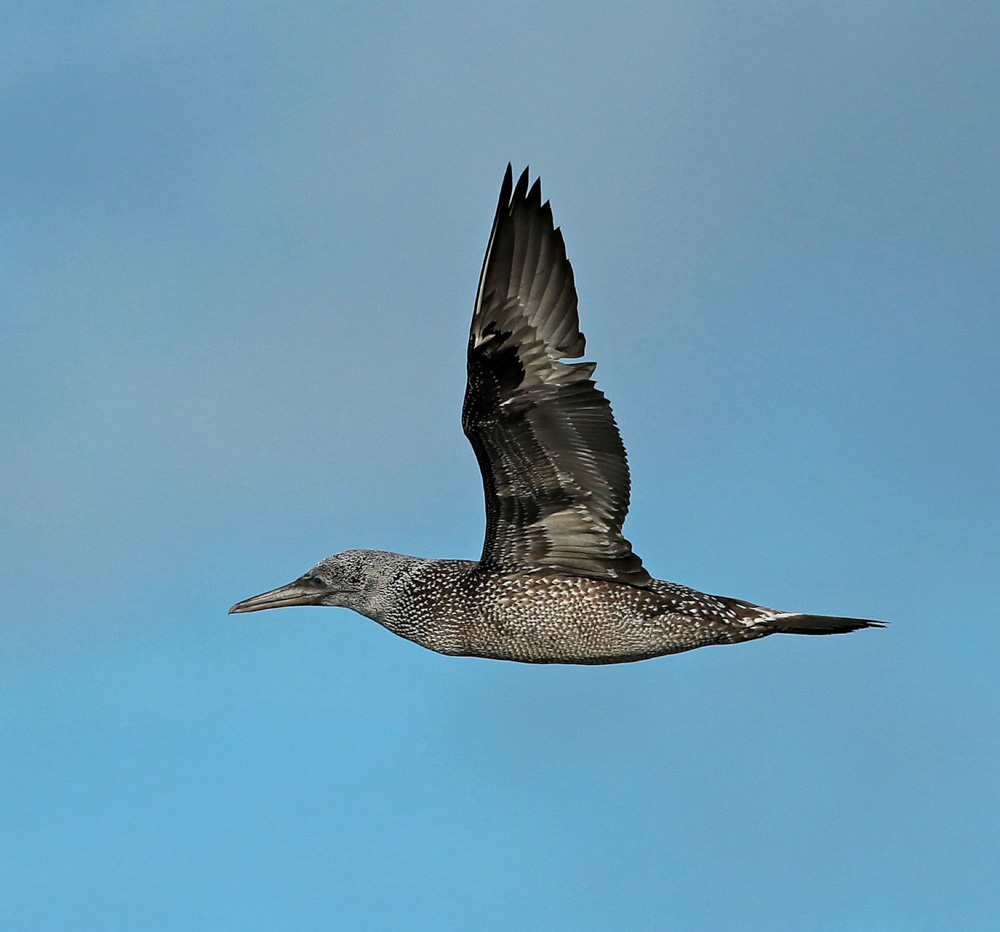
(554, 470)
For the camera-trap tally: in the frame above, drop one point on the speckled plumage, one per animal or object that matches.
(557, 581)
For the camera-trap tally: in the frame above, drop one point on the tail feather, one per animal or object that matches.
(819, 624)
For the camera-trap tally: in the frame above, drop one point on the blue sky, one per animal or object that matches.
(240, 247)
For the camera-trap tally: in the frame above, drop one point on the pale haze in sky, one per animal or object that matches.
(240, 249)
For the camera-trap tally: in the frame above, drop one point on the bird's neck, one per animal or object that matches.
(421, 599)
(390, 577)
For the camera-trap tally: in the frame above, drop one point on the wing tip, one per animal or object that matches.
(520, 190)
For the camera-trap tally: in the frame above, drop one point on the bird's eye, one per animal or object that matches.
(316, 581)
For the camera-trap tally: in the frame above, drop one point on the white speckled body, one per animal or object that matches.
(455, 607)
(533, 615)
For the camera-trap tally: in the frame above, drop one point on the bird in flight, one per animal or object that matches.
(557, 582)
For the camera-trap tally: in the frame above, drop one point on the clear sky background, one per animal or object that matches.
(240, 245)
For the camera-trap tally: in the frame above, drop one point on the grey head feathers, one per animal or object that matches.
(361, 580)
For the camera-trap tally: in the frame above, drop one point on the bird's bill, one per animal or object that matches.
(293, 594)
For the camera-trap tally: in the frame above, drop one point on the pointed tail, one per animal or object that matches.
(818, 624)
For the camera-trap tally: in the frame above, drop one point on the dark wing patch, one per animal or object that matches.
(554, 470)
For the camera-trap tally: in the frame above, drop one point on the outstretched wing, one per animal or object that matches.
(554, 470)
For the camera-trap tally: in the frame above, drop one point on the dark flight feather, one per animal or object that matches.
(555, 475)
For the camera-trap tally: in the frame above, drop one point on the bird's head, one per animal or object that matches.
(350, 580)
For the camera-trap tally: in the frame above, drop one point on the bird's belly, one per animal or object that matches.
(575, 620)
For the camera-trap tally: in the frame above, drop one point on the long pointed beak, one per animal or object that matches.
(292, 594)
